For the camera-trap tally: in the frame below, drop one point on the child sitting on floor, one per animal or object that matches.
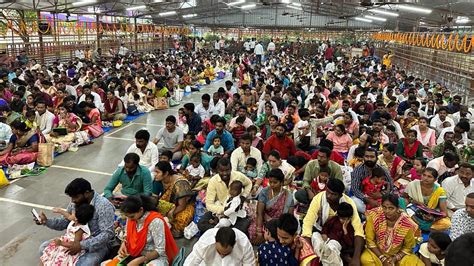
(319, 183)
(56, 253)
(336, 229)
(272, 252)
(182, 121)
(31, 119)
(419, 165)
(239, 128)
(216, 148)
(358, 157)
(195, 171)
(234, 206)
(374, 184)
(167, 156)
(433, 252)
(188, 138)
(250, 169)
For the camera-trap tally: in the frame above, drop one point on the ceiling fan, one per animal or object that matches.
(366, 5)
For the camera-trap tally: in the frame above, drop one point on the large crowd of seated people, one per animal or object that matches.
(311, 160)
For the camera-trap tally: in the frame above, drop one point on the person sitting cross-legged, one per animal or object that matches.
(134, 178)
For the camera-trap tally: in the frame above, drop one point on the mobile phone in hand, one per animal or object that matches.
(36, 215)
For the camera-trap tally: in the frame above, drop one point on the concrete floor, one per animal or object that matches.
(19, 236)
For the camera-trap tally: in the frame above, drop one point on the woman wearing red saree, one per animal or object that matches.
(95, 126)
(273, 201)
(148, 237)
(409, 147)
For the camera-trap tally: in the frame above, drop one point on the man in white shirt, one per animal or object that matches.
(465, 113)
(204, 109)
(216, 106)
(459, 186)
(172, 137)
(252, 44)
(222, 246)
(247, 46)
(346, 108)
(271, 47)
(258, 52)
(5, 134)
(239, 156)
(439, 119)
(444, 164)
(123, 50)
(44, 118)
(461, 129)
(145, 149)
(86, 90)
(267, 98)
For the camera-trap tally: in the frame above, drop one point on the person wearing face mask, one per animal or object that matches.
(217, 193)
(362, 171)
(222, 246)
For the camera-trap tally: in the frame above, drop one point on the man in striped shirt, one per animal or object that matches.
(362, 171)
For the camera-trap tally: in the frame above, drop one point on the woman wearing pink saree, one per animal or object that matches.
(22, 147)
(273, 201)
(95, 126)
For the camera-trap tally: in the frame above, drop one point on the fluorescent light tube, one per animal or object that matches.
(296, 4)
(169, 13)
(415, 9)
(294, 7)
(190, 15)
(236, 3)
(249, 6)
(363, 19)
(86, 2)
(376, 18)
(136, 7)
(381, 12)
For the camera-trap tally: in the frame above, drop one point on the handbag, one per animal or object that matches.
(160, 103)
(45, 154)
(132, 110)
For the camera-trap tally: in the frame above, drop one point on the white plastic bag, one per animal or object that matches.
(346, 175)
(190, 230)
(187, 88)
(179, 93)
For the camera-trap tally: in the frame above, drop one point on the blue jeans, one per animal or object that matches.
(88, 259)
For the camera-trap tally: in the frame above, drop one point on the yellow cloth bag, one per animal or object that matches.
(3, 179)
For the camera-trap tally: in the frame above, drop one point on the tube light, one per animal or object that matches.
(294, 7)
(286, 1)
(169, 13)
(462, 20)
(375, 18)
(363, 19)
(136, 7)
(190, 15)
(387, 13)
(249, 6)
(85, 2)
(236, 3)
(415, 9)
(296, 4)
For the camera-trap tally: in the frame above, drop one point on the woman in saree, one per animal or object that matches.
(273, 201)
(430, 196)
(66, 120)
(148, 238)
(426, 136)
(94, 127)
(408, 122)
(390, 236)
(268, 127)
(195, 147)
(176, 202)
(114, 108)
(409, 147)
(22, 147)
(332, 104)
(274, 161)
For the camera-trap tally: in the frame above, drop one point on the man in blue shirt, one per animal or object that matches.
(135, 178)
(227, 141)
(193, 119)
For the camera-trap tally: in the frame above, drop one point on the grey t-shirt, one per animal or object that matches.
(170, 139)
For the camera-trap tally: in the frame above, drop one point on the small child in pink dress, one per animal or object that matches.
(56, 253)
